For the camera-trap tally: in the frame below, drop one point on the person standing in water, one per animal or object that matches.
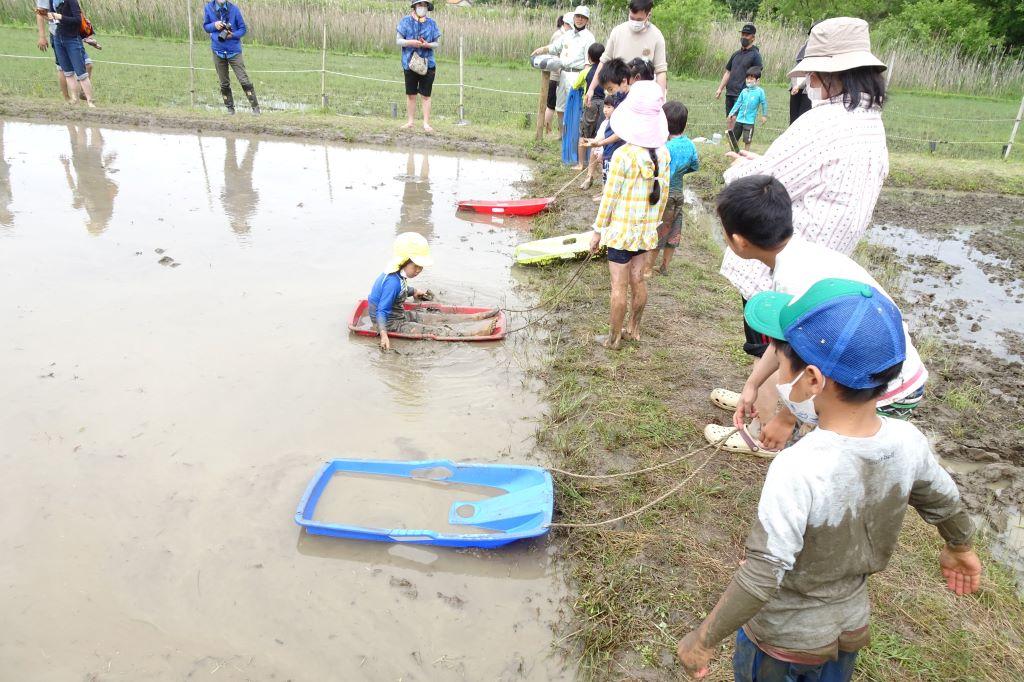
(418, 36)
(223, 21)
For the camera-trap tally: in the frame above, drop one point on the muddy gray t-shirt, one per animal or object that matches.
(830, 515)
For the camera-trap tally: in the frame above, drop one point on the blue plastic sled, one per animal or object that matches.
(523, 511)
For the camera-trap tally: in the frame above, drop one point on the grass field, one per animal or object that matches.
(960, 126)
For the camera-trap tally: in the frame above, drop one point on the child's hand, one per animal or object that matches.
(777, 432)
(764, 119)
(694, 656)
(586, 142)
(745, 408)
(595, 242)
(961, 569)
(385, 342)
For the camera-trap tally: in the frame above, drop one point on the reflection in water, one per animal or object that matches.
(239, 197)
(90, 186)
(6, 196)
(417, 199)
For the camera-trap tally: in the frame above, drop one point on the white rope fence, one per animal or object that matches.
(892, 113)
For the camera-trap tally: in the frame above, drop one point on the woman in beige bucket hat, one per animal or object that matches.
(832, 161)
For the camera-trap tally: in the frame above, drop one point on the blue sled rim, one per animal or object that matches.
(523, 511)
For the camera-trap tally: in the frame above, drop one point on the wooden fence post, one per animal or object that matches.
(542, 104)
(462, 85)
(1013, 133)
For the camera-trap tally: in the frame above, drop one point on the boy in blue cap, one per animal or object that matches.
(832, 504)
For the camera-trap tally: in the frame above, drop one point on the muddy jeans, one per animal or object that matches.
(750, 664)
(238, 66)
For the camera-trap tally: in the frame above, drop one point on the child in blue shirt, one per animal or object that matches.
(411, 253)
(684, 160)
(745, 109)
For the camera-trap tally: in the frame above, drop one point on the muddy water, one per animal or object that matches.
(175, 368)
(388, 502)
(953, 292)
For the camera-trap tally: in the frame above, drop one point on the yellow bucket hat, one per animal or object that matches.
(410, 246)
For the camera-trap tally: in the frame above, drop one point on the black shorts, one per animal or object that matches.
(552, 93)
(416, 84)
(729, 101)
(744, 131)
(622, 257)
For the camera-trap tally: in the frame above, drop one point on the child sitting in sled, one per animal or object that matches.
(411, 253)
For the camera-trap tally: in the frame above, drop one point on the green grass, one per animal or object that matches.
(910, 115)
(644, 582)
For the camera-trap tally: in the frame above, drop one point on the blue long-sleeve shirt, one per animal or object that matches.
(745, 109)
(228, 14)
(388, 294)
(683, 155)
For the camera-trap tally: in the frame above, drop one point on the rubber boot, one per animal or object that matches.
(229, 99)
(250, 92)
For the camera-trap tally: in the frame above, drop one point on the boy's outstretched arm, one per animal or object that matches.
(936, 498)
(781, 522)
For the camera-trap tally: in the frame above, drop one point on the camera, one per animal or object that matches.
(225, 32)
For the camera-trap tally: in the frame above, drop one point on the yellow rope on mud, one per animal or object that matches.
(566, 185)
(558, 294)
(717, 447)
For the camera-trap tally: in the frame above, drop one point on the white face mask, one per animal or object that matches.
(421, 11)
(815, 94)
(637, 26)
(803, 410)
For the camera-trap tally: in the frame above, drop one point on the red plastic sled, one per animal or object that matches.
(517, 207)
(500, 325)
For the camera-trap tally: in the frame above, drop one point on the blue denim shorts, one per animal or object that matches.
(750, 664)
(622, 256)
(71, 57)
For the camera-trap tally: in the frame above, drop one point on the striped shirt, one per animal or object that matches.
(832, 162)
(626, 219)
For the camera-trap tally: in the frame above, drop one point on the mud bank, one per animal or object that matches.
(962, 290)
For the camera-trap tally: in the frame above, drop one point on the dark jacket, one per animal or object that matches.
(70, 24)
(737, 66)
(229, 14)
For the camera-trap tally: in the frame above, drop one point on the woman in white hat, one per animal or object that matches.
(571, 47)
(633, 202)
(832, 161)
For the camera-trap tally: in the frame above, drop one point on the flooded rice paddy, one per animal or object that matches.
(964, 290)
(176, 366)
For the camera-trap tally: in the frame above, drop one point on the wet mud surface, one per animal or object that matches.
(176, 368)
(957, 263)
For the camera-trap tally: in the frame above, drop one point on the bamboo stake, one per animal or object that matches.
(191, 59)
(1013, 133)
(323, 68)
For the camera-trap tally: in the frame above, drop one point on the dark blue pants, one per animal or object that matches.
(750, 664)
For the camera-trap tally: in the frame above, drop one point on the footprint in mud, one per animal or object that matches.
(406, 587)
(454, 601)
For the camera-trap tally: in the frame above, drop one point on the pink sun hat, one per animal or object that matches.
(640, 119)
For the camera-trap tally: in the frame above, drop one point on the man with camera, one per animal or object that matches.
(223, 21)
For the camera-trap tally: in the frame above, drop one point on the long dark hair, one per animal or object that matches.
(655, 195)
(863, 80)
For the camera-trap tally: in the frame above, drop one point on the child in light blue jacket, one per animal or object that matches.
(745, 109)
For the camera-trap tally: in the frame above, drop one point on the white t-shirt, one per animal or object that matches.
(803, 263)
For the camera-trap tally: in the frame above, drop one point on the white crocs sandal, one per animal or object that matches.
(725, 399)
(739, 442)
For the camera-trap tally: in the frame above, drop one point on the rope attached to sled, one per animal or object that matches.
(717, 445)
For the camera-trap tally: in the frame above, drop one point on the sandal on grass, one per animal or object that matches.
(740, 442)
(725, 399)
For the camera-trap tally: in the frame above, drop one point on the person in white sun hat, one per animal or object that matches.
(571, 48)
(633, 203)
(832, 162)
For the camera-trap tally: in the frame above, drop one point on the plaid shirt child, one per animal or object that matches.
(626, 219)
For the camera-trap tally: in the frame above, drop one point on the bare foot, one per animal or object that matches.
(427, 129)
(407, 126)
(663, 270)
(577, 167)
(631, 335)
(597, 198)
(605, 341)
(91, 105)
(587, 183)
